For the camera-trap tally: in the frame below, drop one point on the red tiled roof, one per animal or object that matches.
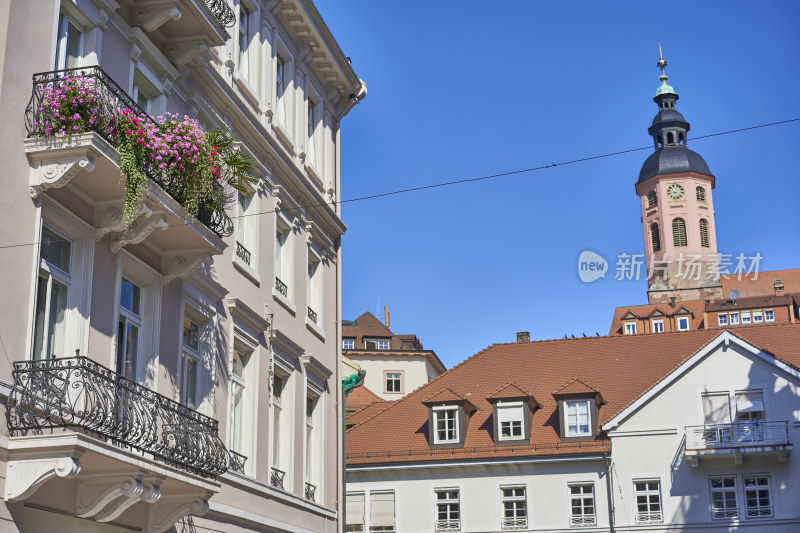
(750, 302)
(366, 412)
(575, 386)
(444, 395)
(696, 307)
(622, 368)
(361, 397)
(508, 391)
(761, 283)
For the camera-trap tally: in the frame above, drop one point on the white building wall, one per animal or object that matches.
(416, 371)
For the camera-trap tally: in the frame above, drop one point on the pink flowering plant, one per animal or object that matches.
(72, 105)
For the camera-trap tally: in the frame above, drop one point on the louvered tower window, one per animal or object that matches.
(703, 233)
(678, 232)
(701, 194)
(655, 237)
(652, 199)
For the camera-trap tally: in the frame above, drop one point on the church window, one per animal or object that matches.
(678, 232)
(655, 237)
(701, 194)
(652, 199)
(703, 233)
(670, 138)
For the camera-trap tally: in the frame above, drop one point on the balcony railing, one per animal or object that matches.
(759, 511)
(310, 490)
(448, 525)
(281, 287)
(222, 11)
(237, 461)
(737, 435)
(648, 517)
(78, 393)
(586, 520)
(514, 523)
(312, 315)
(108, 100)
(243, 253)
(354, 528)
(276, 477)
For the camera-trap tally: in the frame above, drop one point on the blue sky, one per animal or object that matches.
(466, 89)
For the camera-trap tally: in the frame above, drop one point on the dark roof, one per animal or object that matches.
(668, 115)
(749, 302)
(673, 159)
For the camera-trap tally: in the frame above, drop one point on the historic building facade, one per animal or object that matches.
(164, 370)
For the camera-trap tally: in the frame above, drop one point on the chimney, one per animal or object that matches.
(523, 336)
(386, 316)
(778, 287)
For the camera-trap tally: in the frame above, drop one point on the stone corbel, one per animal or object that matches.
(99, 493)
(112, 219)
(276, 197)
(153, 18)
(56, 174)
(168, 510)
(183, 53)
(181, 266)
(150, 493)
(141, 228)
(26, 476)
(102, 18)
(309, 232)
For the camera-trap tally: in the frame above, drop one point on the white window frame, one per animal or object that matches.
(383, 344)
(758, 511)
(658, 325)
(722, 319)
(360, 525)
(348, 344)
(630, 328)
(314, 286)
(449, 523)
(769, 315)
(247, 230)
(313, 463)
(53, 274)
(131, 318)
(244, 34)
(724, 512)
(62, 36)
(583, 519)
(283, 87)
(438, 412)
(734, 318)
(758, 317)
(649, 516)
(282, 419)
(313, 122)
(513, 414)
(520, 519)
(577, 404)
(746, 319)
(284, 257)
(684, 324)
(394, 376)
(247, 350)
(190, 353)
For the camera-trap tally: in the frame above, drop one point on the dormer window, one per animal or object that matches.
(578, 418)
(510, 420)
(448, 418)
(377, 344)
(512, 412)
(445, 421)
(578, 405)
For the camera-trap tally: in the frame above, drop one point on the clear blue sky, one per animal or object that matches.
(465, 89)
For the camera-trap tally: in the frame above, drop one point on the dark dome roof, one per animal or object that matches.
(668, 115)
(672, 159)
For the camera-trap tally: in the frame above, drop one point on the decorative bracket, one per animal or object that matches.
(56, 174)
(184, 52)
(112, 219)
(141, 228)
(169, 510)
(99, 493)
(26, 476)
(152, 19)
(150, 493)
(181, 266)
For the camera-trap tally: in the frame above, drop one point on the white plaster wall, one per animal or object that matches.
(415, 369)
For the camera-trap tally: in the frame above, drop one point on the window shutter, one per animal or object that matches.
(679, 232)
(703, 233)
(509, 413)
(655, 237)
(652, 199)
(716, 408)
(381, 512)
(748, 402)
(355, 509)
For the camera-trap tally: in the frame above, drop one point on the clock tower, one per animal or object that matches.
(675, 187)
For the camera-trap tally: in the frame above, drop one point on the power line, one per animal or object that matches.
(466, 180)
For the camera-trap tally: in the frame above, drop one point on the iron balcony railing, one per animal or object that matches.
(448, 525)
(310, 490)
(281, 287)
(513, 523)
(237, 461)
(312, 315)
(737, 435)
(243, 253)
(354, 528)
(222, 11)
(758, 511)
(80, 394)
(108, 100)
(586, 520)
(648, 517)
(276, 477)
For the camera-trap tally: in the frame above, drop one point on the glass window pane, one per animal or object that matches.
(129, 296)
(55, 250)
(56, 322)
(191, 382)
(238, 408)
(131, 351)
(191, 333)
(40, 324)
(73, 46)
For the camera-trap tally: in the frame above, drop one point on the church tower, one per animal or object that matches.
(675, 187)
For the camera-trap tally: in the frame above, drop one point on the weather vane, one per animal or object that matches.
(661, 61)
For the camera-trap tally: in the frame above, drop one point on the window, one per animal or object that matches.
(745, 317)
(145, 93)
(354, 521)
(377, 344)
(381, 511)
(701, 194)
(246, 226)
(734, 318)
(514, 514)
(658, 325)
(648, 501)
(630, 328)
(578, 420)
(750, 411)
(190, 362)
(683, 323)
(244, 40)
(448, 510)
(280, 401)
(314, 288)
(716, 408)
(311, 149)
(394, 381)
(722, 319)
(348, 344)
(581, 498)
(280, 90)
(758, 317)
(283, 259)
(129, 328)
(769, 315)
(678, 232)
(652, 199)
(313, 430)
(723, 497)
(52, 291)
(238, 399)
(510, 419)
(703, 233)
(69, 44)
(757, 498)
(655, 237)
(445, 422)
(383, 345)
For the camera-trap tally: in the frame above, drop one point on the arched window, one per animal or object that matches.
(652, 199)
(703, 232)
(670, 138)
(660, 141)
(701, 194)
(655, 237)
(678, 232)
(682, 138)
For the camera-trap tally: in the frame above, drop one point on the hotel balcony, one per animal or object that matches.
(76, 423)
(81, 172)
(737, 440)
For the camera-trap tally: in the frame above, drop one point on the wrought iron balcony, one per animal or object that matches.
(448, 525)
(648, 517)
(585, 520)
(310, 490)
(79, 394)
(102, 114)
(281, 287)
(276, 477)
(222, 11)
(737, 435)
(237, 461)
(513, 523)
(243, 253)
(312, 315)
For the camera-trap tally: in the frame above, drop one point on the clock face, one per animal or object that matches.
(675, 191)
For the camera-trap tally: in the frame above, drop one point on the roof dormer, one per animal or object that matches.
(448, 418)
(578, 405)
(512, 411)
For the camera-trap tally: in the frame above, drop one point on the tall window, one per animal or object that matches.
(238, 399)
(581, 499)
(354, 521)
(52, 291)
(510, 421)
(283, 260)
(630, 328)
(314, 289)
(658, 325)
(394, 381)
(648, 501)
(312, 451)
(757, 497)
(678, 232)
(145, 93)
(246, 230)
(190, 362)
(381, 512)
(311, 149)
(723, 497)
(278, 386)
(703, 233)
(280, 91)
(244, 39)
(515, 515)
(448, 510)
(655, 237)
(652, 199)
(68, 45)
(445, 421)
(701, 194)
(129, 327)
(578, 419)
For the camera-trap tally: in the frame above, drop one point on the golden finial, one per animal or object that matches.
(661, 61)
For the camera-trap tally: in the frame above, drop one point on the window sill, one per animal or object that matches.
(286, 496)
(247, 271)
(311, 170)
(283, 136)
(315, 329)
(246, 89)
(284, 301)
